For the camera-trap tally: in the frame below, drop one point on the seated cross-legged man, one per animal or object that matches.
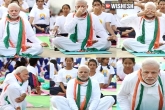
(149, 28)
(14, 32)
(82, 93)
(83, 28)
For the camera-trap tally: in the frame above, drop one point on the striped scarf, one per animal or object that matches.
(160, 89)
(21, 36)
(84, 104)
(155, 42)
(89, 34)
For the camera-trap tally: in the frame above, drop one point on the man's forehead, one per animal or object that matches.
(83, 68)
(13, 8)
(81, 3)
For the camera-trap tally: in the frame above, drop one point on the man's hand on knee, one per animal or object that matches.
(94, 41)
(44, 44)
(21, 98)
(18, 108)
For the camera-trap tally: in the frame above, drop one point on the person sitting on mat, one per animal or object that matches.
(108, 72)
(60, 21)
(64, 76)
(14, 33)
(82, 93)
(149, 27)
(83, 28)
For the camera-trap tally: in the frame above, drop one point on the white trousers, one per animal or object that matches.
(134, 45)
(66, 44)
(36, 49)
(12, 92)
(61, 103)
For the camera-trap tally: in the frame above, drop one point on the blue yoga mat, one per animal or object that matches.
(82, 53)
(145, 54)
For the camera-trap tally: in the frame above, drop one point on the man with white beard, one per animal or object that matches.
(83, 28)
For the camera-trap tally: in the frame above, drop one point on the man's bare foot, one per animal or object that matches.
(150, 52)
(81, 50)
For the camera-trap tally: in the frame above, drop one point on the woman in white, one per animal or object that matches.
(60, 21)
(127, 66)
(40, 17)
(64, 75)
(107, 71)
(95, 75)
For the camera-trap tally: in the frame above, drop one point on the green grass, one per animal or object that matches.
(38, 101)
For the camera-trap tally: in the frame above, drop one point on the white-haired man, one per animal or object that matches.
(149, 27)
(82, 94)
(83, 28)
(14, 90)
(143, 89)
(14, 32)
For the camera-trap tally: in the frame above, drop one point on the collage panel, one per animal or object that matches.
(24, 83)
(140, 83)
(83, 83)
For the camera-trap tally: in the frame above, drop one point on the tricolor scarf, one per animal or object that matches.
(77, 97)
(160, 89)
(21, 36)
(16, 76)
(155, 42)
(89, 34)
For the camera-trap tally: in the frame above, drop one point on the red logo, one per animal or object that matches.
(107, 6)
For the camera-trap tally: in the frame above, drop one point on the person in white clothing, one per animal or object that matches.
(95, 75)
(108, 72)
(3, 8)
(127, 66)
(149, 30)
(14, 32)
(82, 93)
(24, 6)
(161, 6)
(83, 28)
(60, 21)
(143, 89)
(14, 90)
(64, 76)
(105, 18)
(40, 17)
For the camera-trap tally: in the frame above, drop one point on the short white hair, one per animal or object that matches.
(19, 69)
(84, 66)
(150, 61)
(83, 1)
(150, 4)
(13, 5)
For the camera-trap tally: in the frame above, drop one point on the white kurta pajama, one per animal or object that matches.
(13, 91)
(70, 24)
(35, 49)
(95, 103)
(136, 22)
(150, 99)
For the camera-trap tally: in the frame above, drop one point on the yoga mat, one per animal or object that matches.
(38, 101)
(109, 89)
(145, 54)
(82, 53)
